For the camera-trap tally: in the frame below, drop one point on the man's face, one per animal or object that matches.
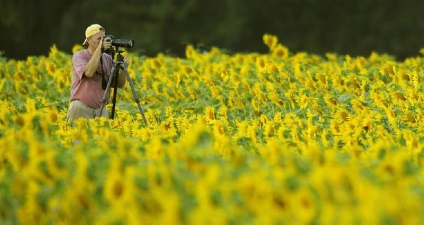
(94, 40)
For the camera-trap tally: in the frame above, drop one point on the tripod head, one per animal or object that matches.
(112, 50)
(120, 58)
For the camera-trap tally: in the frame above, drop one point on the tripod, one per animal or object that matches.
(119, 64)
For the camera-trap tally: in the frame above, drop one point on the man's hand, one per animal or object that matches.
(126, 61)
(106, 43)
(122, 79)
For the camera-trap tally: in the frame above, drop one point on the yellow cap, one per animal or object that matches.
(92, 30)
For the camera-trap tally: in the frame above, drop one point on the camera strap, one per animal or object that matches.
(104, 83)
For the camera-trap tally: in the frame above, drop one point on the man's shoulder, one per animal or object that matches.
(81, 54)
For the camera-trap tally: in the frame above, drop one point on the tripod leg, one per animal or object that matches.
(107, 91)
(115, 90)
(137, 100)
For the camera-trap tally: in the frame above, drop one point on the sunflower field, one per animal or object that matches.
(245, 138)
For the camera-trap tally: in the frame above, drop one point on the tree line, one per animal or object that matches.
(31, 27)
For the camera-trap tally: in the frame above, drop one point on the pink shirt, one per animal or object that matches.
(89, 89)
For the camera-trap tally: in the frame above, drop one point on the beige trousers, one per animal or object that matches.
(78, 109)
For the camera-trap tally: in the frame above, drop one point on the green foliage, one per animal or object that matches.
(351, 27)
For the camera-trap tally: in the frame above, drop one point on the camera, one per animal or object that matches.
(126, 43)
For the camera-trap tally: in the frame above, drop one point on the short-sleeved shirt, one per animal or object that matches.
(89, 89)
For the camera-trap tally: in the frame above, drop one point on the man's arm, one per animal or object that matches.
(93, 63)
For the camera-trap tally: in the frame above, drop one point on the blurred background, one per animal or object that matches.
(31, 27)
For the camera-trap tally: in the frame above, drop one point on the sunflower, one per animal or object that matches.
(330, 101)
(190, 52)
(335, 127)
(342, 115)
(280, 51)
(210, 113)
(270, 40)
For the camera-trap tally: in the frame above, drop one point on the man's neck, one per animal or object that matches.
(91, 50)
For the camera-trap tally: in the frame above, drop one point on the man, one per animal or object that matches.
(90, 72)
